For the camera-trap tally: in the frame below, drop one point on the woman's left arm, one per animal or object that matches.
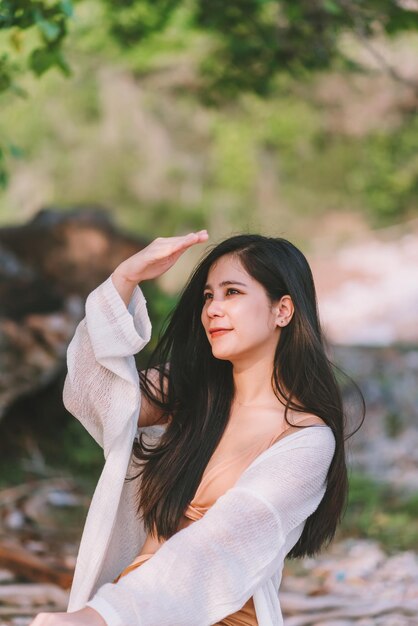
(83, 617)
(208, 570)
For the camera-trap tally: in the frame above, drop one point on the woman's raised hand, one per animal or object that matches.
(152, 261)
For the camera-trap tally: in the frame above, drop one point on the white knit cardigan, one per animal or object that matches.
(208, 570)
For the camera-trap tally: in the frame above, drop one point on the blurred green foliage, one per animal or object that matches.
(377, 511)
(257, 61)
(36, 31)
(387, 171)
(250, 40)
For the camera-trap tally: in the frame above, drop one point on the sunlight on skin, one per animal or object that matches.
(83, 617)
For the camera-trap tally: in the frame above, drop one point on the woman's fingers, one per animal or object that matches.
(170, 245)
(193, 238)
(156, 258)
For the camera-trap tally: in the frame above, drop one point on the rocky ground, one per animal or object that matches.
(386, 446)
(353, 583)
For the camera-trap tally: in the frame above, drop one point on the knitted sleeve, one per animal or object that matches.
(102, 386)
(208, 570)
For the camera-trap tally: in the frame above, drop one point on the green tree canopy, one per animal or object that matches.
(249, 42)
(252, 40)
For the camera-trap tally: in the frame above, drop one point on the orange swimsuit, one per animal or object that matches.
(215, 482)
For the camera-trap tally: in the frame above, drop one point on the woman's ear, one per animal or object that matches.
(284, 311)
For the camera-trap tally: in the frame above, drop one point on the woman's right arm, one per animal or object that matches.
(102, 385)
(101, 388)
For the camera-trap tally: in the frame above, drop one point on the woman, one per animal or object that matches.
(250, 466)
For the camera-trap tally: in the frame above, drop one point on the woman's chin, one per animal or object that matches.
(224, 355)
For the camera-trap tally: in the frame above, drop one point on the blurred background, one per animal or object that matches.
(123, 121)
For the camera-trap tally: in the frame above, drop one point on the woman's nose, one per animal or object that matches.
(215, 307)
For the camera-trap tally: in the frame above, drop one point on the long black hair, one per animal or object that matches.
(195, 390)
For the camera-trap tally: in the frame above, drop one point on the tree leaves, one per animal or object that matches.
(42, 59)
(131, 21)
(251, 42)
(67, 7)
(50, 30)
(12, 151)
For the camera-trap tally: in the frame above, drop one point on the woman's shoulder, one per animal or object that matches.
(298, 421)
(305, 429)
(305, 419)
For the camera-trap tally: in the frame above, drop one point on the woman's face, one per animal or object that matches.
(235, 302)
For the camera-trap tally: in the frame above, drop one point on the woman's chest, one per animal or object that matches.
(240, 444)
(245, 433)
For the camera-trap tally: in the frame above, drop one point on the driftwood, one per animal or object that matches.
(30, 596)
(68, 252)
(34, 511)
(11, 495)
(30, 611)
(47, 268)
(354, 583)
(302, 611)
(32, 567)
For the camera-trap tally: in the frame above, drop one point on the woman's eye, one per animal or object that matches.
(230, 290)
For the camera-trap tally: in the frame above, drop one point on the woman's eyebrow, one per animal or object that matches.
(226, 282)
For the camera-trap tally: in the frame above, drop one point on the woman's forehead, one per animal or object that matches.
(228, 267)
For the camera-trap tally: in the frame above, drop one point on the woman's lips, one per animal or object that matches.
(218, 333)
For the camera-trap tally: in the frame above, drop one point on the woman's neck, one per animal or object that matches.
(252, 382)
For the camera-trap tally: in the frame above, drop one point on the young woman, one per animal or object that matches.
(247, 463)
